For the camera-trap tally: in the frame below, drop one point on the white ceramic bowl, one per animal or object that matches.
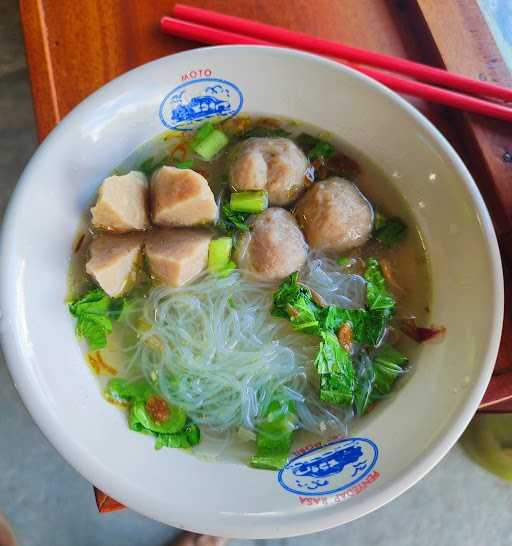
(398, 444)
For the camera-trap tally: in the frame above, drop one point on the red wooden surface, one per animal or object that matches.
(469, 48)
(75, 46)
(105, 503)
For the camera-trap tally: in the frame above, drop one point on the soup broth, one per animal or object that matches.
(159, 338)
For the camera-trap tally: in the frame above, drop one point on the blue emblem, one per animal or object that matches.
(330, 469)
(193, 102)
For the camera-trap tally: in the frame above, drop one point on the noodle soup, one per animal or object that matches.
(248, 282)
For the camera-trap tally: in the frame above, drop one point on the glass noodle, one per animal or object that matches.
(216, 351)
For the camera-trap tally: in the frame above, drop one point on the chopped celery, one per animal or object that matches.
(208, 141)
(203, 132)
(249, 201)
(219, 253)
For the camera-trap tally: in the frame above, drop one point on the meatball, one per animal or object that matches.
(122, 203)
(181, 197)
(334, 216)
(273, 164)
(275, 246)
(177, 255)
(113, 261)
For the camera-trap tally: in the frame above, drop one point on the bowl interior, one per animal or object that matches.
(412, 431)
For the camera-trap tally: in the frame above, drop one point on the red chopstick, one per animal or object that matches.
(215, 36)
(305, 42)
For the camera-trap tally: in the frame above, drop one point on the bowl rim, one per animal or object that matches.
(95, 473)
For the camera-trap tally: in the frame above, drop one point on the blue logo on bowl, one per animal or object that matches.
(330, 469)
(191, 103)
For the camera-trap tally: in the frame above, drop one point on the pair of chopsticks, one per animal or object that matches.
(211, 27)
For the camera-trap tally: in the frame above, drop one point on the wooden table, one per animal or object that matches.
(75, 46)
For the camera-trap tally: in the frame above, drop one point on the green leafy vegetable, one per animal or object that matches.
(294, 301)
(333, 317)
(334, 366)
(188, 164)
(343, 261)
(321, 149)
(231, 221)
(363, 392)
(150, 414)
(306, 142)
(388, 231)
(150, 165)
(303, 315)
(260, 131)
(376, 324)
(94, 329)
(118, 308)
(249, 201)
(378, 379)
(208, 141)
(338, 382)
(140, 419)
(314, 147)
(275, 433)
(288, 290)
(380, 302)
(120, 390)
(94, 302)
(388, 365)
(367, 326)
(188, 437)
(377, 295)
(94, 313)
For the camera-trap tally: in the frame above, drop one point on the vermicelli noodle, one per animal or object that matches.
(218, 353)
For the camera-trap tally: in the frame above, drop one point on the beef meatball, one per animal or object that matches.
(176, 256)
(274, 248)
(113, 261)
(122, 203)
(181, 197)
(273, 164)
(334, 216)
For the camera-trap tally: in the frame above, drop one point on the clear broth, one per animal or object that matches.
(408, 260)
